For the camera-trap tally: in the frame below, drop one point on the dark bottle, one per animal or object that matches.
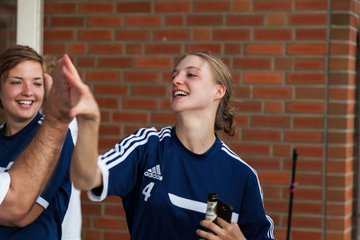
(211, 209)
(211, 214)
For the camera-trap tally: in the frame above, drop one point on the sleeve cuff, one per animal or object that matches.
(105, 176)
(4, 185)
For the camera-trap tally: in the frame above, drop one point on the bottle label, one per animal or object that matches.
(211, 211)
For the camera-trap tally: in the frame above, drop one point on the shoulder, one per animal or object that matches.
(236, 160)
(152, 133)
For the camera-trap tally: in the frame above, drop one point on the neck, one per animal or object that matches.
(196, 134)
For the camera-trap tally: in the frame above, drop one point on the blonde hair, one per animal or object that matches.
(225, 115)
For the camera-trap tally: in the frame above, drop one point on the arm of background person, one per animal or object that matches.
(84, 171)
(34, 166)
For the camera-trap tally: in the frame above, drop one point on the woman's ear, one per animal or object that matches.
(220, 92)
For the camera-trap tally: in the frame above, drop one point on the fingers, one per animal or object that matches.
(48, 82)
(71, 73)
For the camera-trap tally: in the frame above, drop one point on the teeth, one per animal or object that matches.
(180, 93)
(25, 102)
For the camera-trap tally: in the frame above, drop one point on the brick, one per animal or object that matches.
(93, 35)
(100, 48)
(112, 76)
(133, 7)
(143, 104)
(116, 236)
(263, 78)
(252, 63)
(59, 35)
(308, 122)
(306, 78)
(310, 5)
(143, 21)
(248, 106)
(271, 121)
(341, 108)
(305, 107)
(108, 21)
(248, 148)
(242, 6)
(108, 89)
(215, 48)
(152, 90)
(340, 195)
(311, 166)
(313, 93)
(308, 208)
(274, 178)
(341, 152)
(339, 209)
(342, 64)
(302, 136)
(339, 181)
(134, 49)
(77, 48)
(106, 102)
(163, 48)
(345, 93)
(171, 35)
(311, 34)
(272, 92)
(171, 7)
(148, 62)
(265, 49)
(54, 48)
(122, 116)
(306, 222)
(272, 34)
(283, 63)
(115, 62)
(276, 19)
(309, 64)
(315, 150)
(136, 76)
(231, 35)
(308, 19)
(163, 118)
(96, 7)
(309, 179)
(307, 49)
(211, 6)
(343, 49)
(108, 223)
(51, 8)
(274, 107)
(202, 34)
(67, 21)
(260, 135)
(340, 34)
(204, 20)
(245, 20)
(340, 19)
(174, 20)
(264, 5)
(132, 35)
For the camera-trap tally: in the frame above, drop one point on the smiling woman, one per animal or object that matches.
(22, 92)
(164, 175)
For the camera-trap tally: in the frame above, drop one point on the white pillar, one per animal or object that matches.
(29, 29)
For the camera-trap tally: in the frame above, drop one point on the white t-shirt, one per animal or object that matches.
(71, 225)
(4, 185)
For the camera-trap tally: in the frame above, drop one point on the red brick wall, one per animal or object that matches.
(293, 63)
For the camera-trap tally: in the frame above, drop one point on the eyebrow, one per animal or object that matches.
(187, 68)
(17, 77)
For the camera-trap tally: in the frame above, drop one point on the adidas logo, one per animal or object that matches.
(154, 172)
